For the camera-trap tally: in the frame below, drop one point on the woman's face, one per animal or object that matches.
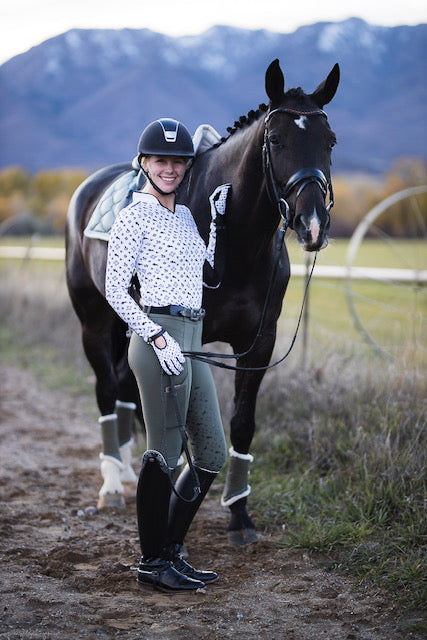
(167, 172)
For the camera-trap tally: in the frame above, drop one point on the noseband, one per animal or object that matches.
(299, 179)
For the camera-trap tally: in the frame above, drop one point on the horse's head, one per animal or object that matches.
(297, 155)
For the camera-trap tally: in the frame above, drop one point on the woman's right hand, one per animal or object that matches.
(169, 354)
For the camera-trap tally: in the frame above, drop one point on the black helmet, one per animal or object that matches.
(166, 137)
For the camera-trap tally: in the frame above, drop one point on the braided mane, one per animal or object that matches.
(253, 115)
(243, 121)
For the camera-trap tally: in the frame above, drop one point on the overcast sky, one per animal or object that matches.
(25, 23)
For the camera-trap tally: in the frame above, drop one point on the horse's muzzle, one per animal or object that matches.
(312, 230)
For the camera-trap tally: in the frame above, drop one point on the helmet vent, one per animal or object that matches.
(170, 129)
(166, 137)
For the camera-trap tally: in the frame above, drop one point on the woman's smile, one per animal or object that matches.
(167, 171)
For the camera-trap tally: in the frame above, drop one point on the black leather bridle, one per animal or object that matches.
(277, 196)
(299, 179)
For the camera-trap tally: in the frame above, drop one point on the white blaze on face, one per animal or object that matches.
(301, 122)
(314, 227)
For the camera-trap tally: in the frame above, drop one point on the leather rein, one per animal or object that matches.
(278, 197)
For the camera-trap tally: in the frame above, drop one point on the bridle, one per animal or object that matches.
(300, 179)
(277, 196)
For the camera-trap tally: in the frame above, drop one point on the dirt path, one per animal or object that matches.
(67, 574)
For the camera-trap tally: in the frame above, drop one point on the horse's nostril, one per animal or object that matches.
(303, 230)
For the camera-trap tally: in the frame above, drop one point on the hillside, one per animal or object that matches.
(82, 98)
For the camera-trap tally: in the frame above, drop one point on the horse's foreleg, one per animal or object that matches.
(242, 428)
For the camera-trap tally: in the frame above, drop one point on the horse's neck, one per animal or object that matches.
(254, 220)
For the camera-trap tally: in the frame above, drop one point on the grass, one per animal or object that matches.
(340, 448)
(341, 467)
(38, 327)
(393, 314)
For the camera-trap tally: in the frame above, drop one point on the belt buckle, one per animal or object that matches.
(197, 314)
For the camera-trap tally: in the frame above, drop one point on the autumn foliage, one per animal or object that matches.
(41, 199)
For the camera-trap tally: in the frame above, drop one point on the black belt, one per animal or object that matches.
(175, 310)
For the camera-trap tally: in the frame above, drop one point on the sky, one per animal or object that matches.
(26, 23)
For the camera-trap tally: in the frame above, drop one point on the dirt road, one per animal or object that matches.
(66, 573)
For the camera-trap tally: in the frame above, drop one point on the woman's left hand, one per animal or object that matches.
(170, 355)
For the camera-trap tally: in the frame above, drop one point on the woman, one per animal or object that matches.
(157, 239)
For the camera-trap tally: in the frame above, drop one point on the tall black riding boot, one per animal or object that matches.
(152, 502)
(181, 515)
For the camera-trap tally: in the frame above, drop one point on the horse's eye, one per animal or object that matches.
(331, 144)
(274, 140)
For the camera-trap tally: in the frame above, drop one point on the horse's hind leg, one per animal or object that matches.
(97, 347)
(98, 322)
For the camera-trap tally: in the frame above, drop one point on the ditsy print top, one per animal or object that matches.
(165, 251)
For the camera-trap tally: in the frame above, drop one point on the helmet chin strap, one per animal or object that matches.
(153, 184)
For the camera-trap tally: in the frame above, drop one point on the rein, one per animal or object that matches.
(172, 390)
(207, 356)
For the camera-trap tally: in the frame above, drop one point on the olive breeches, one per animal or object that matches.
(196, 395)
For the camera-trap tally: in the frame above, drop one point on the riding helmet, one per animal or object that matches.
(166, 137)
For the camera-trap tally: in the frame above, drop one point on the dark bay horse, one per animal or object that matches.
(277, 160)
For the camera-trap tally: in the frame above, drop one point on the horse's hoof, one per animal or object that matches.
(111, 501)
(250, 535)
(240, 537)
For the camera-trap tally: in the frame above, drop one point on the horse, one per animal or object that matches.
(277, 159)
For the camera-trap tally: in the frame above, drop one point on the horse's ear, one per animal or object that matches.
(274, 82)
(326, 90)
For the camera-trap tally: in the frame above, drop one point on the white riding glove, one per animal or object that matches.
(218, 202)
(170, 357)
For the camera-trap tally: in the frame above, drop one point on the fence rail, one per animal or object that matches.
(27, 253)
(330, 272)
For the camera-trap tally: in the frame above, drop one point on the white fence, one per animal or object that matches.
(300, 270)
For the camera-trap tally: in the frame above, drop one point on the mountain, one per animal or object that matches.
(81, 99)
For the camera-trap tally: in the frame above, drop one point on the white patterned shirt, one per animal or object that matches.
(166, 252)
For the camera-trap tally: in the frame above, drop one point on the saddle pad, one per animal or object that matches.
(119, 194)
